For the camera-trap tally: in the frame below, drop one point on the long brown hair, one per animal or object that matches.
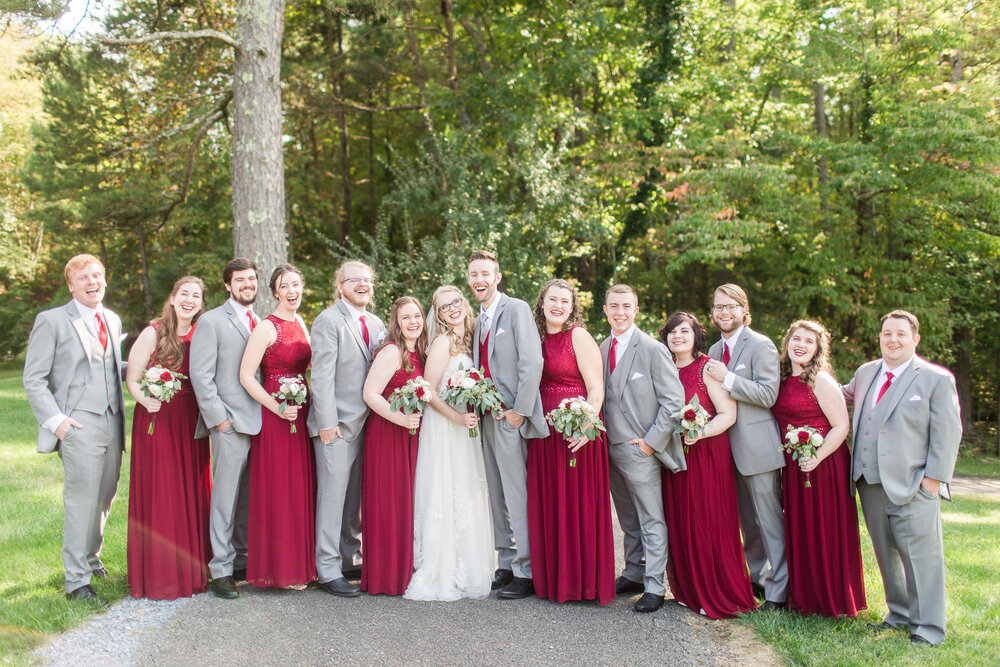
(456, 345)
(575, 318)
(820, 360)
(394, 334)
(169, 348)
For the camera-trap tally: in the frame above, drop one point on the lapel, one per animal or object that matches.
(624, 369)
(863, 388)
(235, 319)
(114, 338)
(740, 346)
(81, 328)
(895, 393)
(494, 326)
(354, 329)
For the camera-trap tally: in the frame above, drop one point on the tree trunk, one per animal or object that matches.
(819, 104)
(147, 291)
(372, 203)
(258, 166)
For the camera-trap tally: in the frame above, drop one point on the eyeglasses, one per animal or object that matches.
(355, 281)
(731, 307)
(448, 307)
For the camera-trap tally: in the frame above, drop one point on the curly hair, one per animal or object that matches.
(575, 318)
(820, 360)
(394, 334)
(169, 348)
(442, 327)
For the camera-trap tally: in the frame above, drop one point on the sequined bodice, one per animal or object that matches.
(693, 379)
(797, 405)
(401, 377)
(560, 371)
(288, 355)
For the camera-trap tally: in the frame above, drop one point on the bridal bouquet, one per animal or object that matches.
(411, 398)
(802, 442)
(575, 418)
(692, 419)
(472, 389)
(292, 390)
(159, 383)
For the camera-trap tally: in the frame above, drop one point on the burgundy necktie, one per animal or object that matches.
(102, 331)
(250, 320)
(364, 331)
(725, 354)
(611, 357)
(885, 387)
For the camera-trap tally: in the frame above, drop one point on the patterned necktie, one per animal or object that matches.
(102, 331)
(885, 387)
(250, 321)
(614, 352)
(725, 353)
(364, 331)
(484, 326)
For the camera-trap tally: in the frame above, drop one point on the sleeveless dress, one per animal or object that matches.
(281, 539)
(388, 470)
(169, 489)
(569, 508)
(707, 571)
(825, 572)
(452, 530)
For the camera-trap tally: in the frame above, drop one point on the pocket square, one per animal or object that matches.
(499, 331)
(915, 397)
(740, 367)
(636, 376)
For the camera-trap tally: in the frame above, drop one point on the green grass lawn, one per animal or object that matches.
(33, 606)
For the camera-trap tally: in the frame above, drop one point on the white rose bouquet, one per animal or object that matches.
(159, 383)
(472, 389)
(575, 418)
(291, 390)
(412, 397)
(692, 419)
(802, 442)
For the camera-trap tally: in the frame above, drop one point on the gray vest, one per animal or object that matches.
(619, 430)
(866, 439)
(102, 383)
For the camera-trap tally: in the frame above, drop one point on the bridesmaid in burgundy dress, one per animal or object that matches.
(170, 482)
(390, 454)
(569, 505)
(707, 571)
(281, 539)
(825, 573)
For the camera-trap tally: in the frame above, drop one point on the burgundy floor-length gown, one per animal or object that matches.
(569, 507)
(707, 571)
(281, 539)
(825, 572)
(169, 489)
(389, 468)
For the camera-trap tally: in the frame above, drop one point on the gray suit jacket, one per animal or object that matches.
(754, 437)
(922, 428)
(216, 352)
(57, 365)
(649, 394)
(515, 358)
(340, 361)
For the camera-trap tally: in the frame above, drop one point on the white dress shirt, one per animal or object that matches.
(730, 343)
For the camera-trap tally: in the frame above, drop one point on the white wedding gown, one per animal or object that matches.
(453, 553)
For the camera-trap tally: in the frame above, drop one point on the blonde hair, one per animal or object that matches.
(339, 276)
(621, 288)
(820, 360)
(456, 345)
(78, 262)
(736, 293)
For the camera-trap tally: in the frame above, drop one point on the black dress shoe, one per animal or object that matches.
(85, 592)
(648, 602)
(758, 591)
(917, 640)
(625, 585)
(225, 588)
(352, 573)
(880, 627)
(771, 605)
(99, 573)
(501, 578)
(240, 574)
(341, 588)
(519, 587)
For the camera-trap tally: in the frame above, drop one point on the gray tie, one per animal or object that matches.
(484, 326)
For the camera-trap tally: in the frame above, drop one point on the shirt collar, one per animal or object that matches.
(491, 311)
(896, 372)
(241, 310)
(731, 341)
(89, 312)
(355, 313)
(626, 337)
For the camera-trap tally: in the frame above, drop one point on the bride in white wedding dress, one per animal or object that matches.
(453, 553)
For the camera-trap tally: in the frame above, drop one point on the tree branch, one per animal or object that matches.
(362, 107)
(169, 35)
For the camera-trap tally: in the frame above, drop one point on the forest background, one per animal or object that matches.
(836, 159)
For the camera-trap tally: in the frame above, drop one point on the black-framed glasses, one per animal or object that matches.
(448, 307)
(731, 307)
(355, 281)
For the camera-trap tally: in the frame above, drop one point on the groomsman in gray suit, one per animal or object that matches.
(507, 346)
(746, 363)
(73, 381)
(343, 337)
(641, 393)
(230, 415)
(907, 429)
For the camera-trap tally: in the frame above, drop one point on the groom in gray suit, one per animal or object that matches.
(746, 363)
(230, 415)
(343, 337)
(907, 429)
(73, 381)
(642, 392)
(508, 348)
